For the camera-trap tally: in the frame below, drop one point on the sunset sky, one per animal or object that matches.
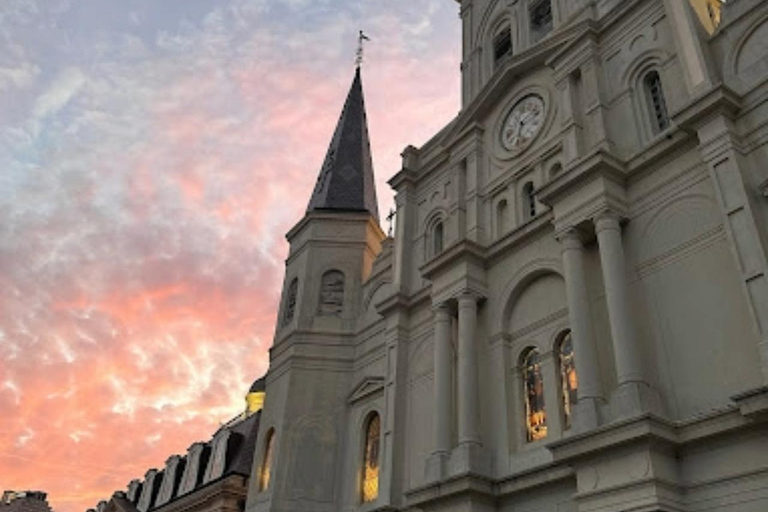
(153, 153)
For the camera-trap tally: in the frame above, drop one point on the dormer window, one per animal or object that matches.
(541, 19)
(502, 45)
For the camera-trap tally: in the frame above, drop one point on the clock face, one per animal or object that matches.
(523, 123)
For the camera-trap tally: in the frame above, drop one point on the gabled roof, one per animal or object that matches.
(346, 182)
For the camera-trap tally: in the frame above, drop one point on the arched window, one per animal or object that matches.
(657, 104)
(437, 238)
(370, 490)
(502, 45)
(266, 461)
(533, 382)
(331, 301)
(569, 380)
(501, 218)
(529, 201)
(541, 19)
(290, 301)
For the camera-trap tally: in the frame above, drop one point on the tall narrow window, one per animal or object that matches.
(331, 301)
(370, 489)
(535, 414)
(266, 462)
(656, 101)
(529, 201)
(290, 301)
(568, 378)
(501, 218)
(541, 19)
(502, 45)
(437, 239)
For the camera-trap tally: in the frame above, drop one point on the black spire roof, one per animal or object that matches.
(346, 181)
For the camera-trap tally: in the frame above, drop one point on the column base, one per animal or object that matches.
(587, 414)
(437, 467)
(470, 458)
(633, 399)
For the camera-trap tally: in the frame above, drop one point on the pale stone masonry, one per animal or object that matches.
(572, 312)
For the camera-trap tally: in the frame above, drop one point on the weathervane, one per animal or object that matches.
(360, 39)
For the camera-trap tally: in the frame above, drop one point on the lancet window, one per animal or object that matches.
(290, 301)
(541, 19)
(533, 383)
(371, 455)
(657, 104)
(331, 301)
(437, 239)
(502, 45)
(569, 379)
(266, 462)
(529, 201)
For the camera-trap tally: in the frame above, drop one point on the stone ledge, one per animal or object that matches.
(753, 404)
(639, 429)
(459, 485)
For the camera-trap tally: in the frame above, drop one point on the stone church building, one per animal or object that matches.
(572, 312)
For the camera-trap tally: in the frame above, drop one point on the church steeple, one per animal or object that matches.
(346, 180)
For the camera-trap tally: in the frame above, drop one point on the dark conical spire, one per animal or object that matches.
(346, 181)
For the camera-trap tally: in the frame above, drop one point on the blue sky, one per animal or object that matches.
(152, 156)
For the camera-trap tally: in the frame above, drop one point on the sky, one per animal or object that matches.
(153, 154)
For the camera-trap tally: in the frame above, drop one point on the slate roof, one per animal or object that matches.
(238, 460)
(30, 501)
(346, 181)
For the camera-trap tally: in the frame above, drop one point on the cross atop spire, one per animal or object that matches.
(360, 48)
(346, 181)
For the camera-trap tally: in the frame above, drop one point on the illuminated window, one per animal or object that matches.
(536, 416)
(290, 301)
(502, 45)
(656, 102)
(437, 239)
(266, 462)
(568, 378)
(370, 489)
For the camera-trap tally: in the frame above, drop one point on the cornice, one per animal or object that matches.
(720, 100)
(597, 164)
(462, 251)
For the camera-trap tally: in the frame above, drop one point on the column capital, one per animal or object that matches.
(607, 220)
(570, 238)
(441, 309)
(468, 298)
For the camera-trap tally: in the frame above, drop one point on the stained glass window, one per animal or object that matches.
(371, 459)
(568, 378)
(535, 414)
(266, 463)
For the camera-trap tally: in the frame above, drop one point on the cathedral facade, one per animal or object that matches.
(572, 312)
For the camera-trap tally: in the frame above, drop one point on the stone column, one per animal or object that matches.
(443, 385)
(468, 395)
(634, 394)
(590, 392)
